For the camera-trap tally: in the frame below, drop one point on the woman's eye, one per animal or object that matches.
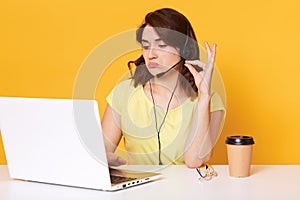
(162, 45)
(145, 47)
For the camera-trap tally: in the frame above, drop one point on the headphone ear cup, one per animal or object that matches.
(182, 52)
(186, 51)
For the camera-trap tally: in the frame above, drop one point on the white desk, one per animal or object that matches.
(266, 182)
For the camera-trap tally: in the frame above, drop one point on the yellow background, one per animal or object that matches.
(44, 43)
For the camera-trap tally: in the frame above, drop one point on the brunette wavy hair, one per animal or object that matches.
(175, 30)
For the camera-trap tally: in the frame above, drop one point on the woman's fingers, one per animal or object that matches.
(191, 68)
(212, 53)
(196, 63)
(114, 160)
(207, 49)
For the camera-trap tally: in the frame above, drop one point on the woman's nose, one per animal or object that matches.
(152, 53)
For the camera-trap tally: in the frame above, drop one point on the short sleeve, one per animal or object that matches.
(117, 97)
(216, 102)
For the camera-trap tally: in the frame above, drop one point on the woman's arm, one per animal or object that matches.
(205, 127)
(112, 135)
(205, 130)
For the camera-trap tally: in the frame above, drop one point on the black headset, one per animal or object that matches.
(185, 51)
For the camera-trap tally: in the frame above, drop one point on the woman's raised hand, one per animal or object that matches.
(203, 78)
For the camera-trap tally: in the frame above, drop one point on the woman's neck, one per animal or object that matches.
(162, 89)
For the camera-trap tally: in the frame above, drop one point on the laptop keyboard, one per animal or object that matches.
(120, 179)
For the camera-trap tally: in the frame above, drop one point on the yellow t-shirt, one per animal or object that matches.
(138, 124)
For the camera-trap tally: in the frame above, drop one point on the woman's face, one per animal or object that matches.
(158, 56)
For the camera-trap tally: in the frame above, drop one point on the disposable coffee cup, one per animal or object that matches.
(239, 154)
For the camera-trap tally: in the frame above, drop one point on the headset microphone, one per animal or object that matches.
(199, 69)
(163, 73)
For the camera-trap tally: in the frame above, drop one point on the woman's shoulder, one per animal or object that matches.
(118, 97)
(125, 82)
(217, 101)
(126, 86)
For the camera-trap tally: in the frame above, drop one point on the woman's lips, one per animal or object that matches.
(153, 64)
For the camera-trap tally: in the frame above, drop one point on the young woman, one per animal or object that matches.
(167, 112)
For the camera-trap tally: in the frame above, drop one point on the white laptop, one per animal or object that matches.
(59, 141)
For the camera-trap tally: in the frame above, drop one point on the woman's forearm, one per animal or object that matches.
(199, 134)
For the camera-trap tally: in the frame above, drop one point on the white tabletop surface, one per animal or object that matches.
(178, 182)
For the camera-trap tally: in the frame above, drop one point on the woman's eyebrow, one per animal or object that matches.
(156, 40)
